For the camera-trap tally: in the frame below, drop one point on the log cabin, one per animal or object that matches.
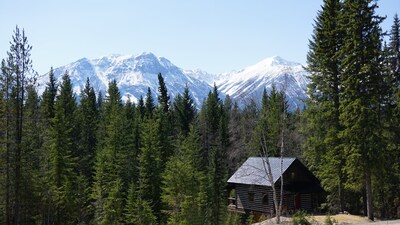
(251, 190)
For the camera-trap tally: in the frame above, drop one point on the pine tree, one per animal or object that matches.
(394, 49)
(63, 156)
(138, 211)
(184, 183)
(215, 141)
(140, 107)
(47, 111)
(16, 73)
(275, 110)
(163, 97)
(31, 159)
(385, 190)
(165, 115)
(6, 146)
(236, 153)
(213, 111)
(88, 119)
(149, 104)
(249, 121)
(324, 151)
(49, 96)
(270, 123)
(362, 94)
(110, 183)
(150, 165)
(184, 111)
(100, 102)
(131, 142)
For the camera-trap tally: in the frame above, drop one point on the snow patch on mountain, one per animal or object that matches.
(135, 73)
(274, 71)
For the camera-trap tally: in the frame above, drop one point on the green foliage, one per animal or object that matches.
(163, 97)
(140, 107)
(329, 220)
(149, 104)
(49, 96)
(31, 157)
(150, 165)
(183, 192)
(16, 73)
(249, 219)
(215, 140)
(109, 162)
(351, 97)
(213, 110)
(88, 120)
(300, 218)
(63, 156)
(184, 184)
(361, 96)
(271, 123)
(185, 111)
(138, 211)
(232, 219)
(325, 153)
(111, 168)
(113, 203)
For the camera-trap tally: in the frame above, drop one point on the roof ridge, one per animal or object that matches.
(284, 157)
(252, 170)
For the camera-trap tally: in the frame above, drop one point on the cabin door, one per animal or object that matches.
(297, 201)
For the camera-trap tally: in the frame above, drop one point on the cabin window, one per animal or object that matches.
(251, 197)
(265, 199)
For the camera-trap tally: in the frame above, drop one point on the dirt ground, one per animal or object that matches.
(341, 219)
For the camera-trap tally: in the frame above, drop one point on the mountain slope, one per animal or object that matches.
(275, 71)
(133, 74)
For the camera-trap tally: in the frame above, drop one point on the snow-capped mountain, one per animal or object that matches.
(135, 73)
(250, 82)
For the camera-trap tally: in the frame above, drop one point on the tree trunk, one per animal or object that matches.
(18, 140)
(368, 189)
(8, 184)
(341, 196)
(364, 197)
(278, 220)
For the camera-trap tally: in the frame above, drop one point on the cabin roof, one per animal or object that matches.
(253, 172)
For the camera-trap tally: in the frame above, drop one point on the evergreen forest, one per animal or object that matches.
(100, 160)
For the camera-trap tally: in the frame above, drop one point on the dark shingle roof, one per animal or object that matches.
(252, 171)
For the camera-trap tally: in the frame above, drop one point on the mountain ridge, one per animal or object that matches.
(135, 73)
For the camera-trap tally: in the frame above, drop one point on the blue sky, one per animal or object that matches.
(214, 35)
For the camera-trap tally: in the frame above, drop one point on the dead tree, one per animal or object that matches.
(265, 157)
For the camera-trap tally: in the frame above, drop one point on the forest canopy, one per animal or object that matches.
(166, 161)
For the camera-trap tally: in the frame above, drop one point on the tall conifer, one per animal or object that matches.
(163, 97)
(324, 151)
(16, 72)
(110, 183)
(184, 111)
(150, 165)
(362, 91)
(149, 104)
(63, 153)
(88, 120)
